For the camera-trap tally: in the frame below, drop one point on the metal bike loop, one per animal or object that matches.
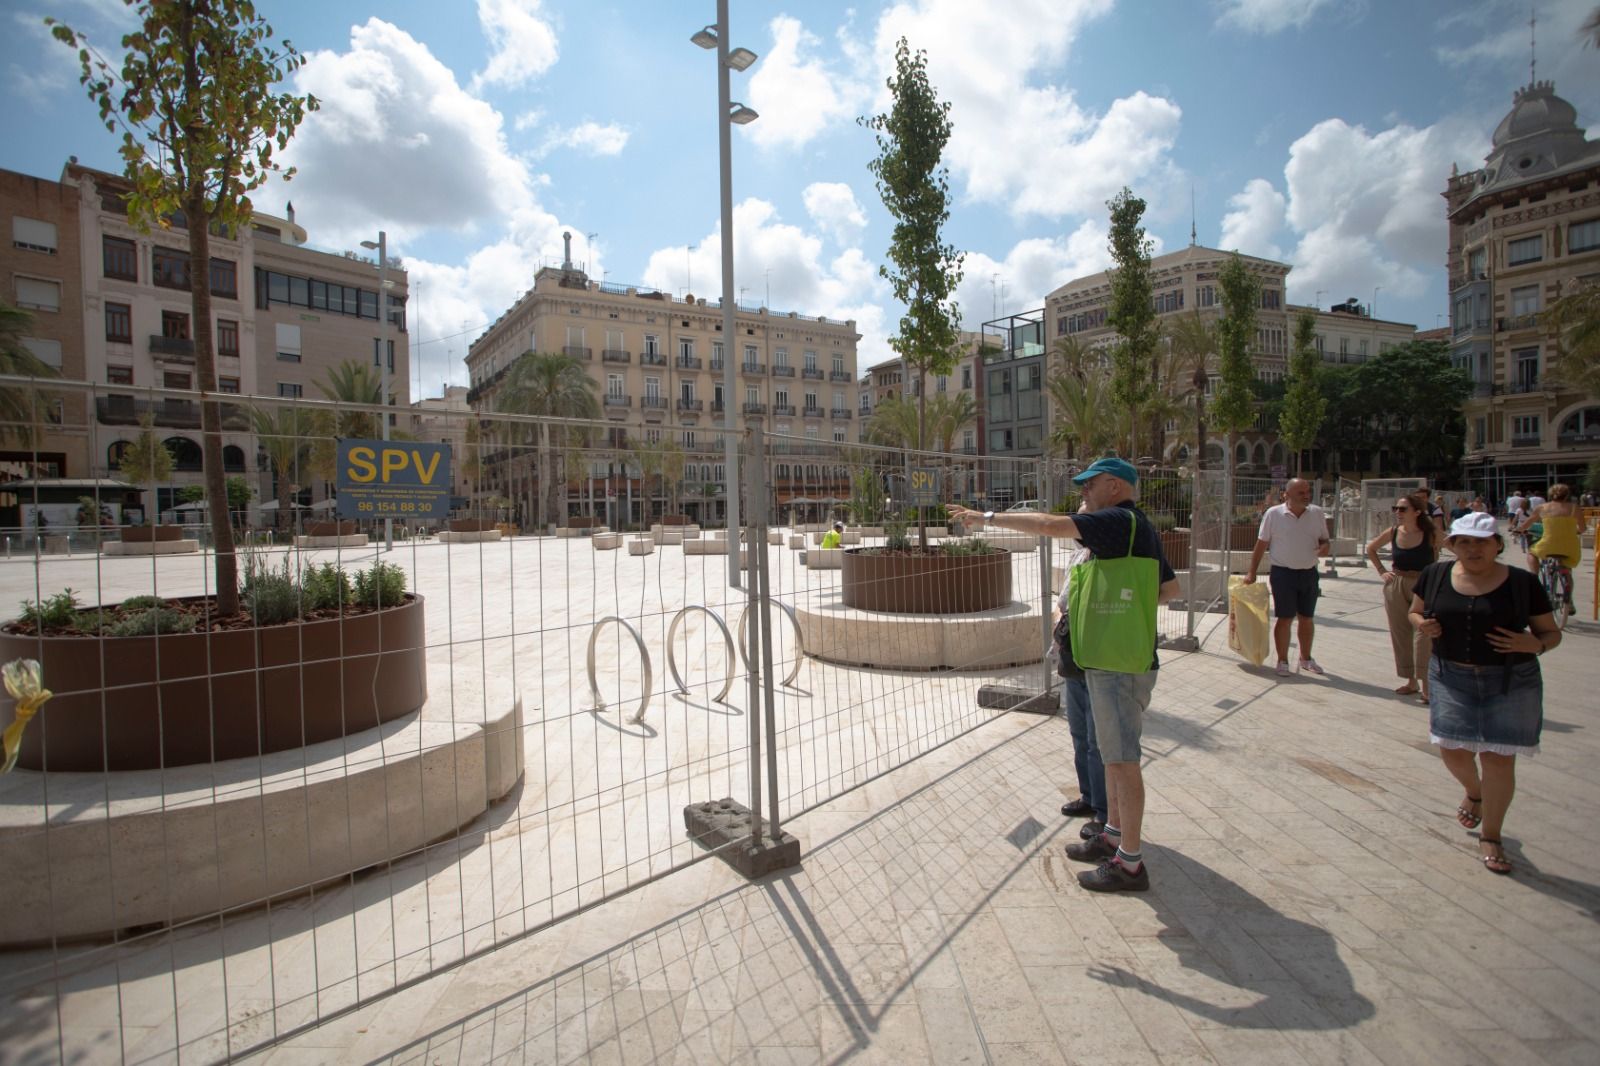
(644, 653)
(799, 640)
(672, 657)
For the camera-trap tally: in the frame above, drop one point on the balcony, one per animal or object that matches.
(755, 408)
(811, 373)
(1514, 323)
(840, 376)
(654, 407)
(783, 410)
(652, 359)
(576, 352)
(690, 406)
(170, 414)
(783, 371)
(716, 364)
(615, 355)
(1482, 389)
(842, 412)
(690, 362)
(755, 369)
(717, 407)
(1478, 325)
(1526, 440)
(172, 349)
(811, 412)
(617, 405)
(1522, 387)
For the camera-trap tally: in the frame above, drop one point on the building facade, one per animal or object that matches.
(1524, 231)
(657, 364)
(891, 378)
(446, 420)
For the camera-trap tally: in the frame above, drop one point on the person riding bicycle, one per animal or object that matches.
(1563, 527)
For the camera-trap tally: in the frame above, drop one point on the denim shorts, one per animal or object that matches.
(1118, 702)
(1472, 708)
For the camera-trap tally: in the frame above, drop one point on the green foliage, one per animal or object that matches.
(146, 461)
(152, 622)
(1591, 478)
(1234, 408)
(550, 385)
(894, 529)
(53, 612)
(1406, 401)
(971, 546)
(191, 494)
(325, 588)
(142, 603)
(1088, 423)
(271, 596)
(384, 585)
(1068, 505)
(240, 493)
(91, 512)
(1131, 313)
(1576, 319)
(22, 409)
(1304, 405)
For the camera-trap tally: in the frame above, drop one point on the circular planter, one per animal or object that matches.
(1240, 537)
(925, 584)
(139, 703)
(147, 534)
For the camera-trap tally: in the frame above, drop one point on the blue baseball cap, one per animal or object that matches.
(1110, 465)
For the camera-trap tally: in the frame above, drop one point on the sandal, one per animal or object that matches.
(1496, 863)
(1406, 690)
(1465, 815)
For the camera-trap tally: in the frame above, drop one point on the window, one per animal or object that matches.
(716, 355)
(999, 440)
(749, 354)
(227, 337)
(613, 384)
(614, 340)
(1271, 299)
(838, 399)
(780, 357)
(1525, 300)
(288, 343)
(169, 268)
(289, 390)
(1525, 427)
(1478, 264)
(1526, 369)
(119, 323)
(175, 325)
(685, 348)
(811, 360)
(228, 385)
(652, 344)
(1525, 250)
(686, 390)
(780, 397)
(751, 395)
(33, 235)
(966, 377)
(377, 359)
(838, 363)
(224, 279)
(811, 401)
(36, 294)
(1206, 296)
(175, 380)
(941, 383)
(47, 352)
(119, 259)
(119, 375)
(1583, 236)
(652, 388)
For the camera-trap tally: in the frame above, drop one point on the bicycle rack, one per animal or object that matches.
(644, 653)
(672, 658)
(799, 640)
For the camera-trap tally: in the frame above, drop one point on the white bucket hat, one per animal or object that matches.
(1479, 524)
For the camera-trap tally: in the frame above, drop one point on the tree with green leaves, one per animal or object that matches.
(1575, 318)
(915, 188)
(896, 423)
(1191, 342)
(1087, 421)
(145, 462)
(287, 435)
(1235, 409)
(22, 409)
(194, 101)
(1132, 314)
(1304, 406)
(546, 386)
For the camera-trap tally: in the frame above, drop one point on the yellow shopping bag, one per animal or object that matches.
(1249, 627)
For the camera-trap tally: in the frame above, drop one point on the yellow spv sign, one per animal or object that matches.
(393, 479)
(924, 485)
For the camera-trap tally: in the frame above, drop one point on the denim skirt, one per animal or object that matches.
(1473, 708)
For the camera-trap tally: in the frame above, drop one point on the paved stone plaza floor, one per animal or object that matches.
(1313, 900)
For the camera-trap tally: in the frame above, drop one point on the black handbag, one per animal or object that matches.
(1066, 666)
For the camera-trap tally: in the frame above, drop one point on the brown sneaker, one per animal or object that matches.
(1097, 850)
(1112, 876)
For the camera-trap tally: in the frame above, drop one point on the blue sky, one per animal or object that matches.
(1317, 131)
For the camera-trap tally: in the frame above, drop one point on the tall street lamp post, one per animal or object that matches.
(382, 248)
(728, 112)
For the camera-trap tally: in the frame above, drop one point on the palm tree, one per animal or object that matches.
(548, 385)
(949, 414)
(287, 436)
(660, 462)
(1191, 342)
(897, 423)
(21, 407)
(350, 382)
(1576, 319)
(1087, 421)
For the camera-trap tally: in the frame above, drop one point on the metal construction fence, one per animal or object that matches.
(415, 742)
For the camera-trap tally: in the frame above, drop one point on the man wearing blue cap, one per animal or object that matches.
(1113, 528)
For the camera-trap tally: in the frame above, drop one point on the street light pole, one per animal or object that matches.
(383, 355)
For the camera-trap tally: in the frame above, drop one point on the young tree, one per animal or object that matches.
(146, 461)
(1304, 406)
(1132, 314)
(200, 122)
(915, 189)
(1234, 409)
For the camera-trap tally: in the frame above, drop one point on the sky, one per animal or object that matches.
(476, 132)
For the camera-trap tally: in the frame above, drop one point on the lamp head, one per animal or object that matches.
(740, 115)
(741, 58)
(706, 37)
(369, 244)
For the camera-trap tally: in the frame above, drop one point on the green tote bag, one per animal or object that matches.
(1112, 607)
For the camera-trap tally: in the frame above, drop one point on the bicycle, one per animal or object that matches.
(1556, 577)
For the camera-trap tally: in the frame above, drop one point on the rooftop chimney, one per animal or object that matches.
(566, 259)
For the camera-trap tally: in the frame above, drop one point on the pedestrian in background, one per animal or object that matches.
(1295, 532)
(1489, 623)
(1413, 542)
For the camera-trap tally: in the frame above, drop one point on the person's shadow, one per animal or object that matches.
(1221, 932)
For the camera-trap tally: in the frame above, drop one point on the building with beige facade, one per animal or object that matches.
(1524, 231)
(891, 378)
(445, 420)
(656, 361)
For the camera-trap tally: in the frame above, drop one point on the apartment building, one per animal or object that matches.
(444, 420)
(891, 378)
(657, 363)
(1524, 231)
(43, 277)
(1347, 333)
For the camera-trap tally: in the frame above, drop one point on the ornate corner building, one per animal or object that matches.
(1524, 231)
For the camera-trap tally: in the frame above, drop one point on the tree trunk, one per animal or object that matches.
(922, 435)
(227, 567)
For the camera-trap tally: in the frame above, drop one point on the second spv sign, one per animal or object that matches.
(393, 479)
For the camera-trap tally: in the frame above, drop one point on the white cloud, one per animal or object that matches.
(589, 137)
(1030, 271)
(1256, 216)
(797, 94)
(527, 120)
(992, 77)
(833, 207)
(524, 43)
(1268, 16)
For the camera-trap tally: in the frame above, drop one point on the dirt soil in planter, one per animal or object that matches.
(201, 608)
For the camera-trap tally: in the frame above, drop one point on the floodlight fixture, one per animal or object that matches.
(740, 115)
(706, 37)
(741, 58)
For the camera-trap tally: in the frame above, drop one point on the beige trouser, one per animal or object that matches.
(1411, 646)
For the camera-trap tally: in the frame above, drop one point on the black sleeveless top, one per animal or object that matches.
(1411, 559)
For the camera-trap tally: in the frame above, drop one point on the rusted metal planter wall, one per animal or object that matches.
(137, 703)
(926, 584)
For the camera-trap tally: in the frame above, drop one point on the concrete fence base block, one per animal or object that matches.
(1013, 698)
(725, 826)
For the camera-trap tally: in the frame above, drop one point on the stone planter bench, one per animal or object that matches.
(476, 536)
(641, 545)
(825, 559)
(797, 540)
(351, 540)
(667, 536)
(149, 547)
(705, 546)
(850, 536)
(775, 536)
(605, 542)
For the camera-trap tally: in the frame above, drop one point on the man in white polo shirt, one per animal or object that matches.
(1296, 534)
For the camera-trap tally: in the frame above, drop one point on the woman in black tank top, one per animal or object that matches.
(1414, 543)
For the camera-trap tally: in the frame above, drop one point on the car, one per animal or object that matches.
(1026, 505)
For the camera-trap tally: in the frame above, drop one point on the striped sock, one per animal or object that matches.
(1131, 861)
(1112, 834)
